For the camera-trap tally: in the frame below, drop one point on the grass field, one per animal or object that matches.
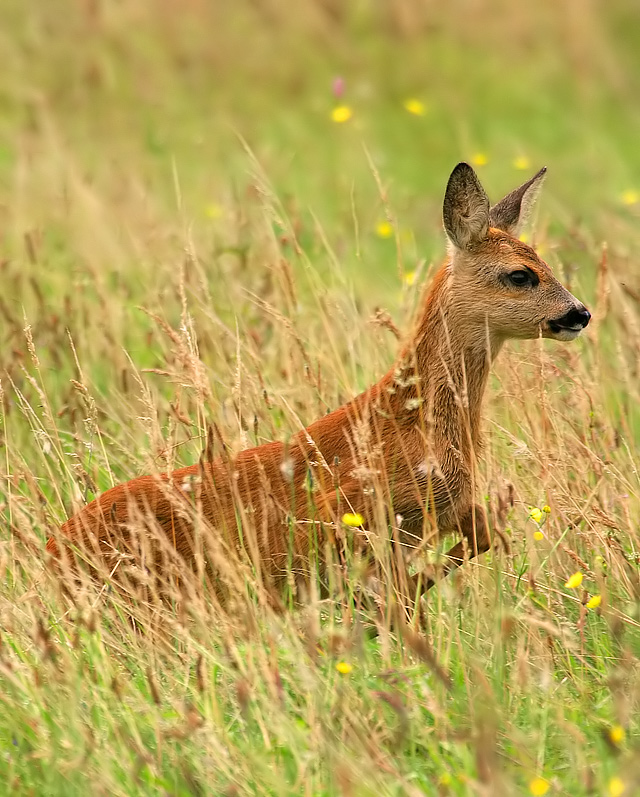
(194, 229)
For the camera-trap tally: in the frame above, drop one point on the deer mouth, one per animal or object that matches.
(571, 324)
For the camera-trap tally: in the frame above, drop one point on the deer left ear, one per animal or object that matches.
(465, 211)
(511, 213)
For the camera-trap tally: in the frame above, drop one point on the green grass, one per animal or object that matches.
(188, 237)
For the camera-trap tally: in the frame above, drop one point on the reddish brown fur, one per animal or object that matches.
(409, 440)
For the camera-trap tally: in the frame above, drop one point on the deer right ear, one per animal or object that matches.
(511, 213)
(466, 208)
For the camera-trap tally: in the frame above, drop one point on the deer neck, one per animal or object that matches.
(440, 378)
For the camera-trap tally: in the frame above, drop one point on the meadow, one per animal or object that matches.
(225, 215)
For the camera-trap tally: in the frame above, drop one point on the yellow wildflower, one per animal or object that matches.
(353, 519)
(213, 211)
(546, 509)
(594, 601)
(630, 197)
(409, 277)
(524, 237)
(479, 159)
(536, 514)
(617, 734)
(616, 787)
(416, 107)
(444, 779)
(341, 113)
(521, 163)
(539, 786)
(538, 535)
(344, 668)
(574, 581)
(384, 229)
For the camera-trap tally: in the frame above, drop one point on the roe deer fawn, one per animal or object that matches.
(408, 443)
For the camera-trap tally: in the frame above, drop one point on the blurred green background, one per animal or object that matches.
(154, 103)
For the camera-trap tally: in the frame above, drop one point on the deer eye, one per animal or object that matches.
(520, 278)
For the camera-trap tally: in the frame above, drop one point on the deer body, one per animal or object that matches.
(409, 441)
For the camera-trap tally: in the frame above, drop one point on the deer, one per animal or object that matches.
(408, 444)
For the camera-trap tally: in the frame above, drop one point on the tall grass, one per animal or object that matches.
(189, 240)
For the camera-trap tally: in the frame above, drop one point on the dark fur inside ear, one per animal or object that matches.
(466, 208)
(511, 213)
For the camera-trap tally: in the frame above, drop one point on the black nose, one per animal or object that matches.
(576, 318)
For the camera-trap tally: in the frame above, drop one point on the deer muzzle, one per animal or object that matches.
(571, 324)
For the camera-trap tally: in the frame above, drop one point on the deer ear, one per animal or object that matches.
(511, 213)
(466, 208)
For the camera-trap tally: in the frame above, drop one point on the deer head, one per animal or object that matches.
(498, 282)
